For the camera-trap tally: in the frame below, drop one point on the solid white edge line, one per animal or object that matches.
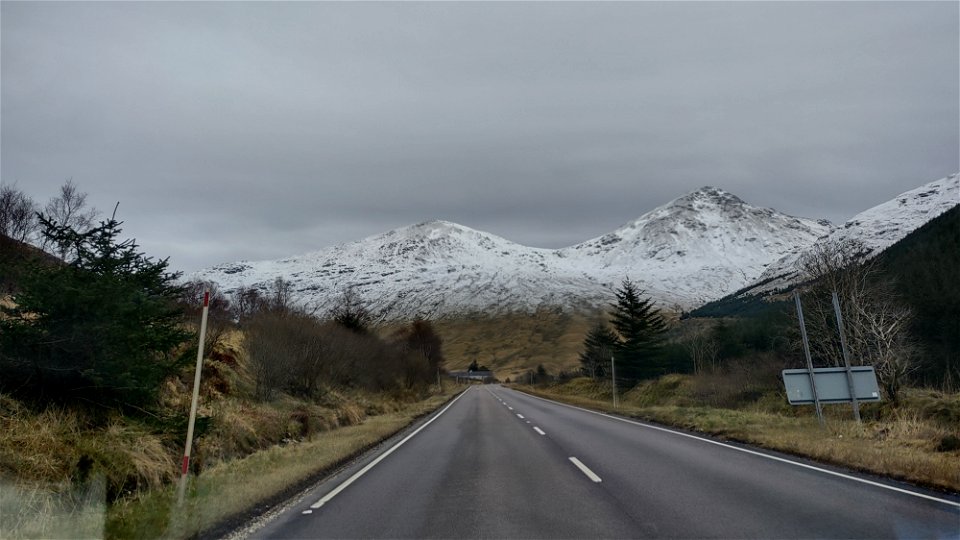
(585, 470)
(346, 483)
(538, 430)
(755, 453)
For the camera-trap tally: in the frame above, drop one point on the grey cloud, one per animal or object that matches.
(256, 130)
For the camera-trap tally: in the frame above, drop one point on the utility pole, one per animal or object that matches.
(806, 352)
(846, 358)
(193, 403)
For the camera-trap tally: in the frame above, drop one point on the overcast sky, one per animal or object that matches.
(235, 131)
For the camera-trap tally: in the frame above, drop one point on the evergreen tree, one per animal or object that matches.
(640, 328)
(541, 374)
(598, 347)
(102, 328)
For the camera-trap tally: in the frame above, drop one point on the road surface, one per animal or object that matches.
(497, 463)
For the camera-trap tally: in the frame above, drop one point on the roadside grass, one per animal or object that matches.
(63, 479)
(68, 473)
(231, 488)
(914, 442)
(30, 510)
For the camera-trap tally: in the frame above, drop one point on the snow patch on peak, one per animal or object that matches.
(876, 228)
(711, 194)
(699, 247)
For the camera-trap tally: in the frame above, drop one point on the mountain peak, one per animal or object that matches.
(710, 194)
(696, 248)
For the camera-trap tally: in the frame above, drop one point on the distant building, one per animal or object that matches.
(483, 376)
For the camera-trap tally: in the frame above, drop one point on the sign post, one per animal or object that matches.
(806, 352)
(846, 357)
(185, 467)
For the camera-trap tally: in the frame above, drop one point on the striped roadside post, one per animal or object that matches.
(193, 404)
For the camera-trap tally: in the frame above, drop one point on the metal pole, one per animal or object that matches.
(846, 358)
(193, 404)
(806, 352)
(613, 379)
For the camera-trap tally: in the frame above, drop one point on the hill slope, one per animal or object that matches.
(877, 228)
(695, 248)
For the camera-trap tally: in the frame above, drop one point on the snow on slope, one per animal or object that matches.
(877, 228)
(696, 248)
(429, 269)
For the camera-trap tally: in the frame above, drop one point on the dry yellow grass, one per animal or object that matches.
(902, 445)
(52, 510)
(232, 487)
(53, 459)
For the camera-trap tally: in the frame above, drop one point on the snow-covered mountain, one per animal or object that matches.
(431, 268)
(875, 229)
(697, 248)
(693, 249)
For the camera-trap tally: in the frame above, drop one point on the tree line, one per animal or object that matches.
(908, 338)
(101, 324)
(293, 350)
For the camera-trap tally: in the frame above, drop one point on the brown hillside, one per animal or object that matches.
(512, 344)
(15, 257)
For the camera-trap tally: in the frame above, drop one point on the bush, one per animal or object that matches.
(291, 351)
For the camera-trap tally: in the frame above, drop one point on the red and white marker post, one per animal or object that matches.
(193, 404)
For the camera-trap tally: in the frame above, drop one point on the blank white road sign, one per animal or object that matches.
(831, 385)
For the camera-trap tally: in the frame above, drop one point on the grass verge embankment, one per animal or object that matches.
(223, 495)
(71, 472)
(918, 441)
(236, 489)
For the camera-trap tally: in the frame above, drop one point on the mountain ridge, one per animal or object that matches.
(875, 228)
(697, 247)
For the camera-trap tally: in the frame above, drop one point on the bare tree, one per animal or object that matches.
(219, 317)
(244, 303)
(69, 208)
(422, 351)
(17, 214)
(875, 320)
(280, 295)
(704, 350)
(351, 313)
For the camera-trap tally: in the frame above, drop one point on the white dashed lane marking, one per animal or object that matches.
(585, 470)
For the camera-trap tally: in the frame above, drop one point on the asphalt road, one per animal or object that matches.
(497, 463)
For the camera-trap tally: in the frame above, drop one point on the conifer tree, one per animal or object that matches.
(598, 347)
(640, 328)
(103, 328)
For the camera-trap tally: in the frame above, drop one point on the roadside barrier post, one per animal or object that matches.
(185, 467)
